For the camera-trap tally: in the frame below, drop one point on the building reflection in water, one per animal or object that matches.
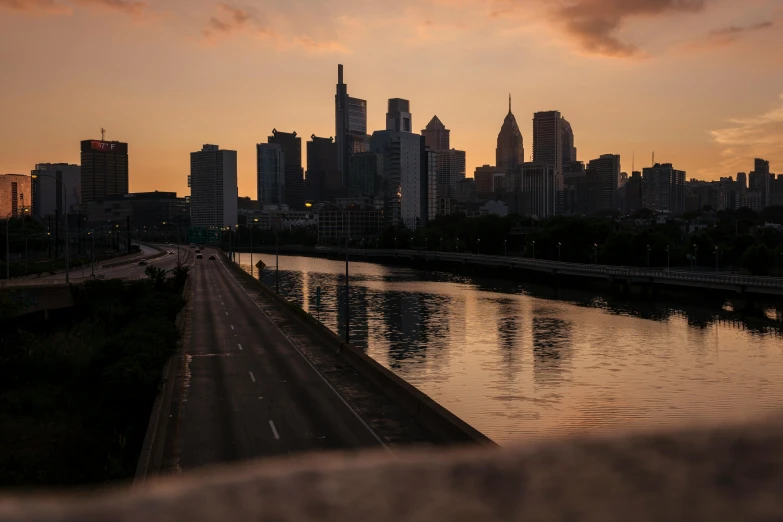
(551, 347)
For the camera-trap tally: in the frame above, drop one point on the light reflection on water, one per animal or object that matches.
(517, 366)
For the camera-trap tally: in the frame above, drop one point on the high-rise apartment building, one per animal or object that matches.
(104, 169)
(742, 182)
(270, 174)
(663, 189)
(213, 187)
(15, 195)
(56, 189)
(350, 115)
(324, 180)
(510, 151)
(606, 171)
(489, 181)
(291, 144)
(436, 135)
(633, 193)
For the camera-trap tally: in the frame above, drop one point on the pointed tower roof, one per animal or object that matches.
(435, 123)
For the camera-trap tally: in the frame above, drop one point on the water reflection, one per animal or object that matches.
(521, 361)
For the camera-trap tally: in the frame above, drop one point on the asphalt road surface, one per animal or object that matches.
(248, 391)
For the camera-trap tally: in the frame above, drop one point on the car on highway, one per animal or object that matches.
(212, 257)
(201, 247)
(199, 256)
(143, 262)
(198, 251)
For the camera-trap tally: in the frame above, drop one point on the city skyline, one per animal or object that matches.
(140, 83)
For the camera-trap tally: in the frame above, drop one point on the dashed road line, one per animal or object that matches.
(252, 377)
(274, 430)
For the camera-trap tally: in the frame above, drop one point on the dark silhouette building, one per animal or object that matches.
(104, 169)
(350, 116)
(436, 135)
(324, 181)
(294, 174)
(510, 152)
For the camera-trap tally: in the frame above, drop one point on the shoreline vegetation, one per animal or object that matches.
(76, 391)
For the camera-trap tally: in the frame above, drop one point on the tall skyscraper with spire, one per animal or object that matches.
(510, 152)
(350, 118)
(436, 135)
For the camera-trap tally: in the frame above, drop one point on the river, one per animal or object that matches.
(520, 362)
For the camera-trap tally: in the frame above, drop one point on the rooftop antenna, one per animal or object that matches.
(653, 163)
(103, 134)
(509, 102)
(633, 162)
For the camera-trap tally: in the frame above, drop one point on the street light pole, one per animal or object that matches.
(559, 246)
(478, 246)
(534, 248)
(505, 247)
(595, 253)
(668, 265)
(648, 256)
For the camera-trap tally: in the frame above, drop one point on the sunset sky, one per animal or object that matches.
(700, 82)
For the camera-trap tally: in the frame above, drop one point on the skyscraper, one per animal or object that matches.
(47, 193)
(323, 179)
(104, 169)
(402, 166)
(398, 117)
(548, 134)
(428, 197)
(436, 135)
(213, 187)
(537, 189)
(350, 125)
(366, 174)
(451, 170)
(606, 171)
(510, 152)
(270, 173)
(294, 174)
(569, 150)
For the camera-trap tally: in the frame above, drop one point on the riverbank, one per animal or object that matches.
(76, 391)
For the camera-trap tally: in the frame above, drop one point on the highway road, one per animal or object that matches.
(131, 270)
(247, 390)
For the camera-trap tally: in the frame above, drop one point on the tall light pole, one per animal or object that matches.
(345, 213)
(505, 249)
(441, 244)
(667, 258)
(695, 256)
(595, 253)
(255, 220)
(478, 246)
(559, 247)
(534, 248)
(648, 256)
(67, 234)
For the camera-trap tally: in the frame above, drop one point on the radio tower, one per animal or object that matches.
(103, 134)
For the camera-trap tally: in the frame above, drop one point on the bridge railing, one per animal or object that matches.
(596, 270)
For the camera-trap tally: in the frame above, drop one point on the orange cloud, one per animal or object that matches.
(232, 19)
(136, 8)
(36, 6)
(752, 137)
(729, 35)
(595, 24)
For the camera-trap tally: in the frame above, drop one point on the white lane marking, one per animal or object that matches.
(252, 377)
(375, 435)
(226, 313)
(232, 326)
(274, 430)
(240, 347)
